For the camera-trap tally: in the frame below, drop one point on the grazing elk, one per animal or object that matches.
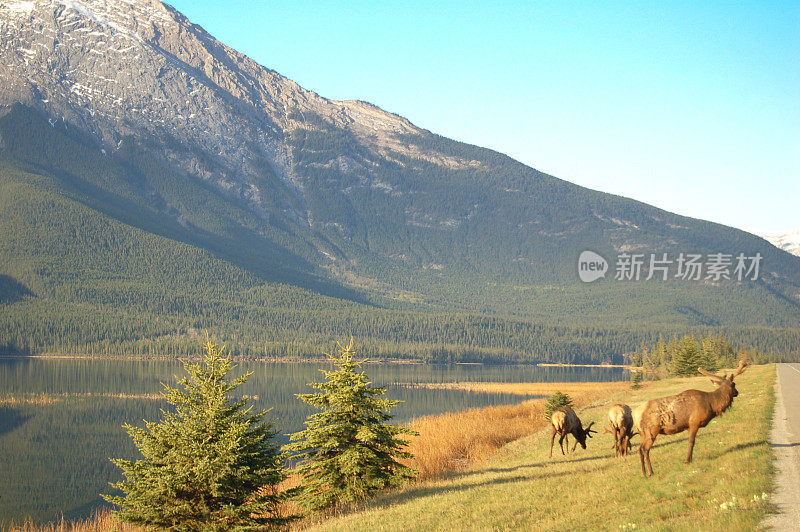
(688, 410)
(621, 421)
(565, 422)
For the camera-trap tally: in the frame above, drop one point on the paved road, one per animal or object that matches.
(785, 440)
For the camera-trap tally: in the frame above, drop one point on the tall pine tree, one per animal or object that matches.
(347, 451)
(208, 465)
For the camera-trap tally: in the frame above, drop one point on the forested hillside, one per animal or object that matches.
(170, 184)
(83, 277)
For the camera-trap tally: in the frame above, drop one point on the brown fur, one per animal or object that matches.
(565, 422)
(689, 410)
(621, 420)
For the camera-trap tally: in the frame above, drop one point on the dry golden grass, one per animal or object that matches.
(525, 388)
(42, 399)
(100, 521)
(454, 441)
(45, 399)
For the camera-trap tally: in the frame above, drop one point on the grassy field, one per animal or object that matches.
(725, 488)
(489, 469)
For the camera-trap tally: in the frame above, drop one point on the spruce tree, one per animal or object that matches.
(661, 355)
(347, 451)
(688, 356)
(557, 401)
(636, 380)
(709, 353)
(209, 464)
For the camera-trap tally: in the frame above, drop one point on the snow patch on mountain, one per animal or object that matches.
(786, 241)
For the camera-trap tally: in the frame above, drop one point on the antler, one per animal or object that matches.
(742, 366)
(710, 375)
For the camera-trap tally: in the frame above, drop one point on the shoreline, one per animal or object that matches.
(313, 360)
(565, 365)
(235, 358)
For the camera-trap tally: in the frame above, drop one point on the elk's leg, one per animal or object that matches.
(566, 439)
(641, 458)
(616, 442)
(647, 448)
(561, 443)
(574, 445)
(692, 433)
(552, 439)
(644, 453)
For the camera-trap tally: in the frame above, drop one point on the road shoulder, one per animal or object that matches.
(786, 446)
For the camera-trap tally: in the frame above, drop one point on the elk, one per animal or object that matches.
(621, 421)
(565, 422)
(689, 410)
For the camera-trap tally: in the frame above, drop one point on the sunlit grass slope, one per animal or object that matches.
(723, 489)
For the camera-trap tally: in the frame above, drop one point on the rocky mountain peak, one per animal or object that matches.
(341, 182)
(138, 68)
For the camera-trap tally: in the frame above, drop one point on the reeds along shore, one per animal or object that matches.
(453, 441)
(101, 520)
(44, 399)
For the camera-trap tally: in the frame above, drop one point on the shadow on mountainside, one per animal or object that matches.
(12, 290)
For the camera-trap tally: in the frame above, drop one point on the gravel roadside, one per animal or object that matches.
(785, 441)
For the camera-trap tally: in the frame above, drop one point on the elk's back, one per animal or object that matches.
(565, 420)
(559, 420)
(671, 414)
(620, 416)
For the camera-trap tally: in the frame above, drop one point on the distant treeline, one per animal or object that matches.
(683, 355)
(249, 332)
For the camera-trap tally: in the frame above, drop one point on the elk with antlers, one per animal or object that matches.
(621, 420)
(565, 422)
(688, 410)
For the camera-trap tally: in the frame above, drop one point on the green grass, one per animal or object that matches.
(723, 489)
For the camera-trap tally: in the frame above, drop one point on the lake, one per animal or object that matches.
(54, 456)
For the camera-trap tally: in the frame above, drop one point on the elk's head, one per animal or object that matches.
(581, 435)
(726, 381)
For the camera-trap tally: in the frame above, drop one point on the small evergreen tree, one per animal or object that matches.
(347, 452)
(718, 352)
(688, 356)
(557, 401)
(208, 465)
(636, 380)
(709, 354)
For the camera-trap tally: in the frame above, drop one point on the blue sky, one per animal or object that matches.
(693, 107)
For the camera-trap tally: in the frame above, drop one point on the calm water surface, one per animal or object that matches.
(54, 457)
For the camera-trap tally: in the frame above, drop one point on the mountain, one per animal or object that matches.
(156, 182)
(789, 242)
